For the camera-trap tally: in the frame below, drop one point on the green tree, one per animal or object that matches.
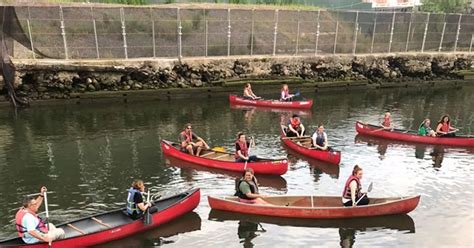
(445, 6)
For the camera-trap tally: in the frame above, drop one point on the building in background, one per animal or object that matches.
(402, 5)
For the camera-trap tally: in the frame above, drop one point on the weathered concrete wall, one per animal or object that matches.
(59, 79)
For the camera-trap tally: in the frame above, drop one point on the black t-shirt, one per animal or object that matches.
(137, 198)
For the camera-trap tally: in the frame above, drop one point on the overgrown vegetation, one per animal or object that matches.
(445, 6)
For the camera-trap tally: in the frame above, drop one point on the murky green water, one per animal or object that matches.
(89, 154)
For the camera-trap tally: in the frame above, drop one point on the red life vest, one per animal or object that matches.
(19, 219)
(243, 149)
(444, 127)
(347, 189)
(386, 122)
(189, 137)
(295, 123)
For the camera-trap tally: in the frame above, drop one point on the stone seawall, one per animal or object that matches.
(60, 79)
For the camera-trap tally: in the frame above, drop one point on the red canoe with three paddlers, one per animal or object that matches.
(316, 207)
(412, 136)
(116, 224)
(225, 161)
(302, 145)
(306, 104)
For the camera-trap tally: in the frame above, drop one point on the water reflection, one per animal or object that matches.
(250, 226)
(187, 223)
(315, 166)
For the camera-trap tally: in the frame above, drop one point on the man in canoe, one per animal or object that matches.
(444, 128)
(248, 93)
(136, 206)
(242, 149)
(352, 195)
(190, 142)
(285, 94)
(320, 138)
(247, 189)
(31, 228)
(386, 123)
(295, 127)
(425, 129)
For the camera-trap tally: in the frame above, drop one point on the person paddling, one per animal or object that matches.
(425, 129)
(295, 127)
(248, 93)
(444, 128)
(190, 142)
(31, 228)
(320, 138)
(242, 149)
(285, 93)
(386, 123)
(247, 189)
(136, 206)
(352, 190)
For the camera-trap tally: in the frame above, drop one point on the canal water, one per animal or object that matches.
(89, 154)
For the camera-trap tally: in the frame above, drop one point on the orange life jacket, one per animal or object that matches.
(444, 127)
(295, 122)
(189, 137)
(19, 219)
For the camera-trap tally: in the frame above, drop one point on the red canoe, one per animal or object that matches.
(271, 103)
(411, 136)
(116, 224)
(225, 161)
(316, 207)
(304, 148)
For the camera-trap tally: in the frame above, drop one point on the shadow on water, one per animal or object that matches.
(436, 152)
(318, 167)
(187, 223)
(276, 182)
(250, 226)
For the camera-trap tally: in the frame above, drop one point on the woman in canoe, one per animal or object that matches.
(425, 129)
(247, 189)
(444, 128)
(136, 206)
(295, 127)
(285, 93)
(320, 138)
(248, 93)
(386, 123)
(190, 142)
(242, 147)
(352, 194)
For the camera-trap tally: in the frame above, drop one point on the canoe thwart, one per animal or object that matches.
(101, 222)
(77, 229)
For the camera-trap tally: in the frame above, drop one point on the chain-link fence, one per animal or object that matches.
(67, 32)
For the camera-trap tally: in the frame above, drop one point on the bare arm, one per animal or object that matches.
(38, 236)
(353, 187)
(143, 206)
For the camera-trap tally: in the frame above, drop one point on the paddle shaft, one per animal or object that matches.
(248, 153)
(47, 212)
(368, 190)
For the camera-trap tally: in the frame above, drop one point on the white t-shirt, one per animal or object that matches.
(30, 222)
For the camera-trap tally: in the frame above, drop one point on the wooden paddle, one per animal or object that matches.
(368, 190)
(148, 220)
(248, 153)
(47, 214)
(292, 138)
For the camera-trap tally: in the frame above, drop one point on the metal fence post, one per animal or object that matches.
(228, 32)
(29, 33)
(442, 35)
(470, 45)
(153, 32)
(317, 34)
(124, 33)
(356, 33)
(424, 35)
(408, 33)
(297, 33)
(391, 32)
(275, 32)
(251, 32)
(457, 33)
(63, 32)
(180, 28)
(207, 37)
(373, 34)
(335, 37)
(95, 33)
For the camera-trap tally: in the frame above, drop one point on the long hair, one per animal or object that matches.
(442, 118)
(356, 169)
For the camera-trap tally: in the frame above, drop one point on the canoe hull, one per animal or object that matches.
(275, 167)
(271, 103)
(400, 206)
(371, 130)
(331, 157)
(186, 205)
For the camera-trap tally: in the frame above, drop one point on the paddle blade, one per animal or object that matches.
(218, 149)
(370, 187)
(147, 220)
(297, 93)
